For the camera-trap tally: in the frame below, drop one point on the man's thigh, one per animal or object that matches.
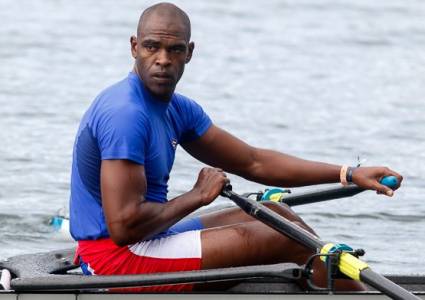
(235, 215)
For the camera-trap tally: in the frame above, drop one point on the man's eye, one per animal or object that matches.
(177, 50)
(150, 47)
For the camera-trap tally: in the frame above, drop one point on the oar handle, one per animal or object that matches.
(389, 181)
(225, 192)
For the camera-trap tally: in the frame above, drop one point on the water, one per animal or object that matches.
(328, 80)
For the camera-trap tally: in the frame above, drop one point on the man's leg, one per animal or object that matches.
(235, 215)
(250, 242)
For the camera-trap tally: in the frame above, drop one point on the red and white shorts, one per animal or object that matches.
(178, 252)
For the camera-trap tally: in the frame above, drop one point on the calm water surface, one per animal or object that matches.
(324, 80)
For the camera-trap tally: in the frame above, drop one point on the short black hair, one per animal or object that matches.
(168, 9)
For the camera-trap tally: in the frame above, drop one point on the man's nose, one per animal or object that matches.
(163, 58)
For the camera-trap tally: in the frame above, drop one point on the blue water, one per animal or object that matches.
(325, 80)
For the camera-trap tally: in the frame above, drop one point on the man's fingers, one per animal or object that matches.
(370, 177)
(389, 172)
(225, 179)
(382, 189)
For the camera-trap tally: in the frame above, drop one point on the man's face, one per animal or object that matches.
(161, 51)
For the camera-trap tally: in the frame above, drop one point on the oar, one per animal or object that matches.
(348, 264)
(332, 193)
(289, 271)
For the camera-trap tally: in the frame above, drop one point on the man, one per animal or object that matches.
(123, 155)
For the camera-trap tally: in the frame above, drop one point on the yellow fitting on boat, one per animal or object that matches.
(276, 197)
(325, 250)
(348, 263)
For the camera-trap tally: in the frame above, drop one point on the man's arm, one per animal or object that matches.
(220, 149)
(130, 218)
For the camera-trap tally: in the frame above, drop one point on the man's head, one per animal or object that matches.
(162, 48)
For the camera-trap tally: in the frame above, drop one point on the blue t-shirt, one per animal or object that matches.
(126, 122)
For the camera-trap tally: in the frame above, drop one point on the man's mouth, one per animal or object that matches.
(162, 77)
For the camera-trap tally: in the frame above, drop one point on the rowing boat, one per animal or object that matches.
(56, 267)
(52, 275)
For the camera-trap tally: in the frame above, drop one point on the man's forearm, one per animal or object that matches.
(219, 148)
(150, 218)
(278, 169)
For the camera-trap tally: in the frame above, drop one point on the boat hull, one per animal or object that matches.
(204, 296)
(269, 289)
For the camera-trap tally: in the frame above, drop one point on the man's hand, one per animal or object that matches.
(369, 177)
(210, 184)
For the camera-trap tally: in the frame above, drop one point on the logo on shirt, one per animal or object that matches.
(174, 143)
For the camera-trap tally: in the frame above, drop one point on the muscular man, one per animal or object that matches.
(123, 155)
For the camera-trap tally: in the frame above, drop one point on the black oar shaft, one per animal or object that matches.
(276, 221)
(385, 285)
(322, 195)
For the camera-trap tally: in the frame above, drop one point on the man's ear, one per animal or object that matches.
(191, 46)
(133, 45)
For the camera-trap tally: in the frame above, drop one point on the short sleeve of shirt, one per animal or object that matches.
(123, 134)
(196, 120)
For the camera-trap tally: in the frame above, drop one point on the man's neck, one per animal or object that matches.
(163, 98)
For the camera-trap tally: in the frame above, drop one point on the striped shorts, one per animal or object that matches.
(178, 250)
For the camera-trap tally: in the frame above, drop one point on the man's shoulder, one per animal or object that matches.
(120, 96)
(116, 103)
